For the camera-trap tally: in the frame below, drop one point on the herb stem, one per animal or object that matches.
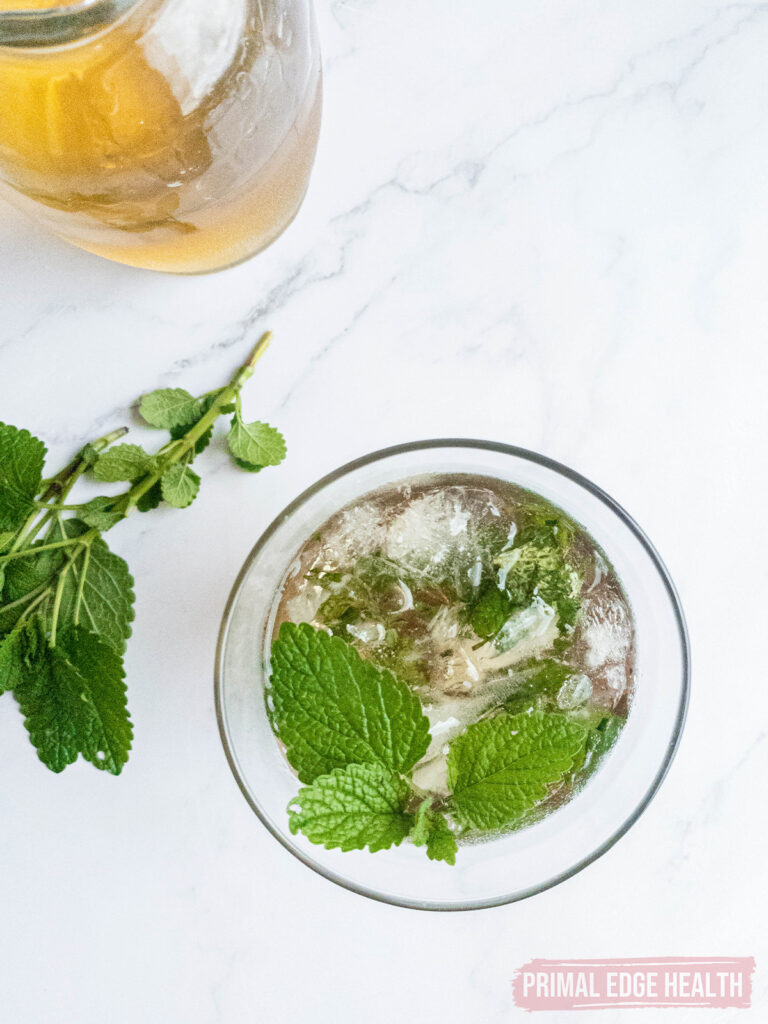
(61, 484)
(37, 549)
(26, 597)
(35, 603)
(81, 584)
(57, 602)
(183, 445)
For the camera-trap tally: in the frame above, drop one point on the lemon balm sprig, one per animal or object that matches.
(66, 600)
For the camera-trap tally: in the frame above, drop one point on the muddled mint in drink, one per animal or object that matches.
(489, 614)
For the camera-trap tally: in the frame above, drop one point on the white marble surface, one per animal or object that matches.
(540, 223)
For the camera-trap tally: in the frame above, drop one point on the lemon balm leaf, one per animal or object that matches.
(151, 498)
(431, 829)
(170, 407)
(99, 512)
(502, 767)
(255, 445)
(72, 697)
(179, 485)
(353, 807)
(97, 592)
(332, 708)
(123, 462)
(21, 468)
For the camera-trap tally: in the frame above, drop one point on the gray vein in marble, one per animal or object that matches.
(332, 342)
(712, 802)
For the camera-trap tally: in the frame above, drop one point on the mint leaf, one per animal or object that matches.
(256, 444)
(106, 601)
(106, 731)
(17, 650)
(331, 708)
(536, 565)
(488, 613)
(23, 577)
(123, 462)
(502, 767)
(353, 807)
(537, 681)
(151, 498)
(431, 829)
(170, 407)
(21, 471)
(201, 407)
(247, 466)
(201, 443)
(179, 485)
(98, 513)
(90, 455)
(603, 733)
(73, 699)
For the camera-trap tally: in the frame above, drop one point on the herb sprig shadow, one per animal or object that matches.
(66, 600)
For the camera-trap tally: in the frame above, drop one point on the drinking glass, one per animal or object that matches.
(520, 863)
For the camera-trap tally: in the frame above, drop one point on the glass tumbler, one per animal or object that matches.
(518, 864)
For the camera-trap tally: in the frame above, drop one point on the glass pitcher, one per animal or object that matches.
(176, 135)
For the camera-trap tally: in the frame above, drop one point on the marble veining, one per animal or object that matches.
(541, 224)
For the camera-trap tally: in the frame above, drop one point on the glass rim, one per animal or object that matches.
(38, 28)
(502, 449)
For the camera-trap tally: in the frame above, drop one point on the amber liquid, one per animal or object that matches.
(100, 140)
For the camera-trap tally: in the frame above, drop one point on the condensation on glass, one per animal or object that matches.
(177, 135)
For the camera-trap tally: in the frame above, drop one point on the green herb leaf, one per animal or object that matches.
(603, 733)
(353, 807)
(72, 697)
(537, 681)
(255, 444)
(331, 708)
(501, 767)
(431, 829)
(23, 579)
(201, 407)
(123, 462)
(90, 455)
(150, 499)
(17, 650)
(179, 485)
(102, 602)
(537, 566)
(170, 407)
(21, 471)
(490, 611)
(98, 513)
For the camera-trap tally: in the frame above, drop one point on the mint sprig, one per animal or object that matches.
(66, 600)
(354, 732)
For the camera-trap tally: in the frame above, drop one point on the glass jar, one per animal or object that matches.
(176, 135)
